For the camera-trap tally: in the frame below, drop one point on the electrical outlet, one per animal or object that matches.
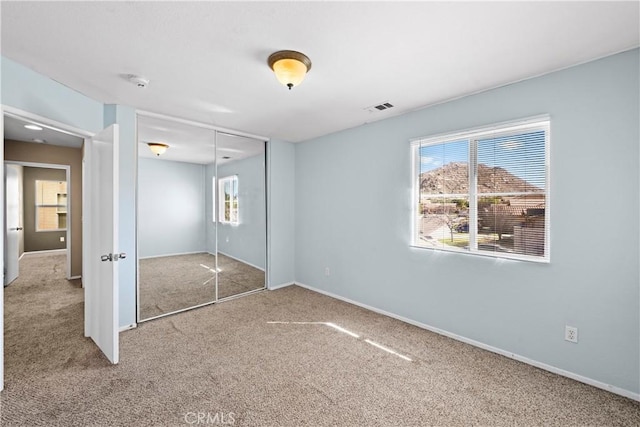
(571, 334)
(62, 239)
(327, 272)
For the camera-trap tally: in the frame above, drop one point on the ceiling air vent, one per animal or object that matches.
(380, 107)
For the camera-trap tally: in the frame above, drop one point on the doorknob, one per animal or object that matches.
(17, 229)
(113, 257)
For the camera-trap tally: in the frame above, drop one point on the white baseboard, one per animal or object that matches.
(51, 251)
(176, 254)
(74, 277)
(523, 359)
(281, 285)
(127, 327)
(241, 260)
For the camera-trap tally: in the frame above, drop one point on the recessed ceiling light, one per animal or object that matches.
(33, 127)
(39, 141)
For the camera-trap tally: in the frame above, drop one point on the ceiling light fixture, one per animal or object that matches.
(33, 127)
(157, 148)
(289, 66)
(39, 141)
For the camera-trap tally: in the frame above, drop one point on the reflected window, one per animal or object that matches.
(214, 216)
(228, 209)
(51, 205)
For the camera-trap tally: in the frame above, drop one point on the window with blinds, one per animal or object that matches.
(484, 191)
(51, 205)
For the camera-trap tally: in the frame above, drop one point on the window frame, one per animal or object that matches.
(233, 179)
(214, 200)
(472, 135)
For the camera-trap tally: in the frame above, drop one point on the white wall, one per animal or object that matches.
(171, 208)
(353, 214)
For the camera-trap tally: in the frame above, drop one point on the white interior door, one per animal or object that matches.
(2, 259)
(100, 228)
(12, 222)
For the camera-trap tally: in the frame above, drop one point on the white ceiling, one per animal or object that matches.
(187, 143)
(207, 60)
(193, 144)
(14, 129)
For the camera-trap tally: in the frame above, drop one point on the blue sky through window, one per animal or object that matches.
(437, 155)
(522, 155)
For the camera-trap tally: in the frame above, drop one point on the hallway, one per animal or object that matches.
(44, 322)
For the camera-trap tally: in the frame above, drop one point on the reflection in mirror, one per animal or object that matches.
(176, 267)
(239, 214)
(201, 217)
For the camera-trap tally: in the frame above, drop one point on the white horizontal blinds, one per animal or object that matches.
(485, 190)
(443, 194)
(512, 163)
(51, 205)
(511, 192)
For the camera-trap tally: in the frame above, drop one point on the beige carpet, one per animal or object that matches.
(229, 361)
(176, 282)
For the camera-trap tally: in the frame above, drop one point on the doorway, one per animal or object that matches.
(31, 144)
(33, 141)
(37, 207)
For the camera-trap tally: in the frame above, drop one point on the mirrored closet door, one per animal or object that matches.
(240, 214)
(201, 216)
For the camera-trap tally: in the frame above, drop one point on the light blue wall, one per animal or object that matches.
(281, 217)
(29, 91)
(353, 214)
(246, 241)
(171, 207)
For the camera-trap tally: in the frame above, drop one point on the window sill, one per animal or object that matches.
(486, 254)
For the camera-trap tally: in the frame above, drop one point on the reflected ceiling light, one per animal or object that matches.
(33, 127)
(157, 148)
(289, 66)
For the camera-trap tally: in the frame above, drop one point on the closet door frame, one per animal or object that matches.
(215, 130)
